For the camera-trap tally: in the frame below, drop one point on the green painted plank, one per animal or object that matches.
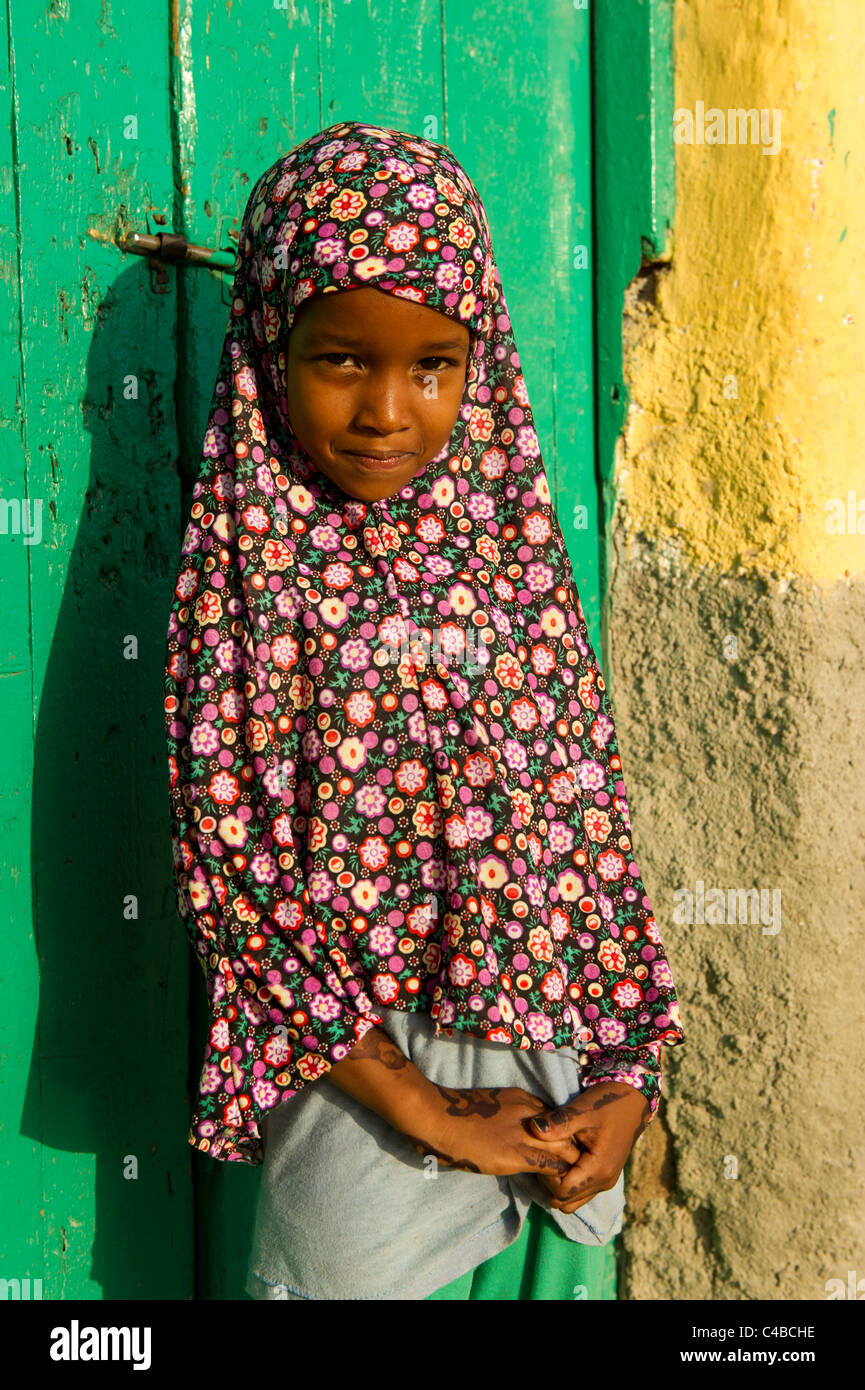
(518, 116)
(634, 192)
(99, 1006)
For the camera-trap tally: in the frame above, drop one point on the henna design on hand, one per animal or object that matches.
(376, 1046)
(424, 1148)
(484, 1104)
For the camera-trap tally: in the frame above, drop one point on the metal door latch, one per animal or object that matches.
(173, 248)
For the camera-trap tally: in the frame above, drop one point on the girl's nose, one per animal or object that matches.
(383, 405)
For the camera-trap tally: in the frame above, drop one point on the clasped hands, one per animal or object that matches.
(603, 1122)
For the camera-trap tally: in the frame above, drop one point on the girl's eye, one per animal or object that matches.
(337, 359)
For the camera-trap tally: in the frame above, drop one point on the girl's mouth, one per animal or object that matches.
(377, 463)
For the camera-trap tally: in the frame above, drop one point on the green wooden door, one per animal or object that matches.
(130, 120)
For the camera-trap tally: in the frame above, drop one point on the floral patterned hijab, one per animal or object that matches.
(394, 775)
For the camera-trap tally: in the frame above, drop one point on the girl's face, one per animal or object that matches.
(368, 375)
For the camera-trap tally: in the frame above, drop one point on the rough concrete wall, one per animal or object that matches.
(737, 639)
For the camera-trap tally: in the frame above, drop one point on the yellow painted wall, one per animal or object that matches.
(745, 436)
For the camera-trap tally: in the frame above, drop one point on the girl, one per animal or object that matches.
(401, 838)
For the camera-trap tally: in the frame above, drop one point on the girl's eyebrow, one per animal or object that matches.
(326, 335)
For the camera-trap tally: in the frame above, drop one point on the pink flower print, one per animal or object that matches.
(661, 975)
(277, 1051)
(324, 1006)
(285, 652)
(494, 463)
(403, 171)
(355, 654)
(527, 442)
(537, 528)
(219, 1035)
(329, 250)
(360, 708)
(479, 822)
(653, 932)
(611, 956)
(373, 853)
(539, 1026)
(627, 994)
(610, 866)
(211, 1079)
(540, 944)
(385, 987)
(461, 970)
(479, 770)
(553, 986)
(264, 868)
(215, 442)
(411, 777)
(434, 694)
(610, 1031)
(539, 577)
(204, 739)
(325, 538)
(524, 714)
(320, 886)
(228, 655)
(602, 731)
(381, 939)
(515, 755)
(480, 423)
(561, 789)
(590, 775)
(402, 237)
(223, 788)
(370, 801)
(448, 276)
(265, 1094)
(543, 660)
(560, 838)
(420, 196)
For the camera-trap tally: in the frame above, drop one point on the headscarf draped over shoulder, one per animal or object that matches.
(394, 774)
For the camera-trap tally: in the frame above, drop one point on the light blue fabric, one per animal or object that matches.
(345, 1209)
